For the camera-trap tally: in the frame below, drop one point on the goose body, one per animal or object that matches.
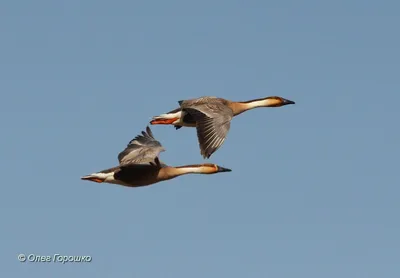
(212, 117)
(139, 165)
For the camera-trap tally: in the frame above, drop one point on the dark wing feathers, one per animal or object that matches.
(158, 163)
(142, 149)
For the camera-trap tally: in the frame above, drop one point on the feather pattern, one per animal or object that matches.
(213, 119)
(142, 149)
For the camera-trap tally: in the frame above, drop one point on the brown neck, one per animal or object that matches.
(242, 106)
(172, 172)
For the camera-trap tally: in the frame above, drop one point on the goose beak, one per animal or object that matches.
(222, 169)
(286, 101)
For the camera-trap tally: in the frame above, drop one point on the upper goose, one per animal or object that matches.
(212, 117)
(139, 165)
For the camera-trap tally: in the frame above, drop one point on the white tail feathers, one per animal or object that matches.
(99, 177)
(168, 116)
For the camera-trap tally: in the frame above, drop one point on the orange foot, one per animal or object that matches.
(163, 121)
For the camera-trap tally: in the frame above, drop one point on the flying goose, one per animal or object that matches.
(139, 165)
(212, 117)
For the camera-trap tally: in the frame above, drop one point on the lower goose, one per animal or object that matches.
(139, 165)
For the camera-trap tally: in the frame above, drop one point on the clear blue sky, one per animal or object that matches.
(314, 190)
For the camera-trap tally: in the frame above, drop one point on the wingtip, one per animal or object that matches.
(148, 129)
(206, 155)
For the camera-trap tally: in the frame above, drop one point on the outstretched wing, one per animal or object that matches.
(143, 149)
(213, 123)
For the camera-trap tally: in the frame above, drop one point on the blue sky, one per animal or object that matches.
(314, 187)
